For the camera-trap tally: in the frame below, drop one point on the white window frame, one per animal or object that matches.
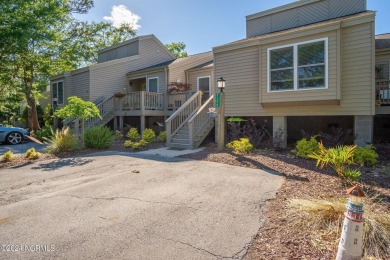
(63, 91)
(295, 57)
(147, 87)
(203, 77)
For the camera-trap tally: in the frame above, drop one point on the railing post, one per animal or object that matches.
(168, 128)
(142, 102)
(191, 133)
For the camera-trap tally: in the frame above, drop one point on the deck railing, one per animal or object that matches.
(176, 100)
(154, 101)
(182, 115)
(383, 92)
(131, 101)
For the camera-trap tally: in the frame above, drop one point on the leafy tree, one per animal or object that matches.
(40, 38)
(177, 49)
(78, 108)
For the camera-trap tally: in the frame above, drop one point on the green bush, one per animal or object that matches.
(305, 147)
(242, 145)
(118, 135)
(43, 133)
(137, 145)
(32, 154)
(162, 137)
(133, 134)
(61, 141)
(128, 144)
(8, 156)
(366, 156)
(98, 137)
(148, 135)
(351, 174)
(338, 158)
(143, 142)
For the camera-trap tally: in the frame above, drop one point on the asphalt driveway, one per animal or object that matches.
(21, 148)
(116, 206)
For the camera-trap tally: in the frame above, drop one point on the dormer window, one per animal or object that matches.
(298, 66)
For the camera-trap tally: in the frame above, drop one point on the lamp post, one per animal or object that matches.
(221, 116)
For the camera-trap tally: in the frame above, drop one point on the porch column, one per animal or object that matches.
(142, 123)
(121, 122)
(364, 130)
(279, 130)
(116, 123)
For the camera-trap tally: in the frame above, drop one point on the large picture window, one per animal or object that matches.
(58, 92)
(153, 85)
(298, 66)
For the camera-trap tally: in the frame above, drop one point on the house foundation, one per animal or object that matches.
(364, 130)
(279, 129)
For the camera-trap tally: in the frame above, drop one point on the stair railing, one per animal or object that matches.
(105, 108)
(200, 121)
(182, 115)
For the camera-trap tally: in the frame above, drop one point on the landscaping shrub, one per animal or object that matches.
(148, 135)
(143, 142)
(137, 145)
(43, 133)
(366, 156)
(304, 147)
(133, 134)
(162, 137)
(8, 156)
(128, 144)
(32, 154)
(98, 137)
(338, 158)
(118, 135)
(351, 174)
(61, 141)
(259, 136)
(241, 146)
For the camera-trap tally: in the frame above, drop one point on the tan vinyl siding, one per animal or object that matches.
(110, 77)
(80, 83)
(194, 75)
(246, 87)
(177, 68)
(301, 13)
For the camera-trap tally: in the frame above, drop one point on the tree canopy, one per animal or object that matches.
(177, 49)
(41, 38)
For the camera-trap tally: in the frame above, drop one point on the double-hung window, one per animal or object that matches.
(298, 66)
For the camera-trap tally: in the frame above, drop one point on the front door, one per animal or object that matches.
(204, 86)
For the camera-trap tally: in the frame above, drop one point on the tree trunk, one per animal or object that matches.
(32, 115)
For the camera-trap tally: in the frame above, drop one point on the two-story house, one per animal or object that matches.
(309, 65)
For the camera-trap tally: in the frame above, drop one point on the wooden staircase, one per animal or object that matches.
(189, 126)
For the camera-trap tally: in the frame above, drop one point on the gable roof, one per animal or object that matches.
(205, 65)
(382, 41)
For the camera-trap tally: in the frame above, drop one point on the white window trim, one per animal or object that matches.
(295, 45)
(147, 87)
(203, 77)
(63, 91)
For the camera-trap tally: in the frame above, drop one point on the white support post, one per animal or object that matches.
(142, 123)
(280, 131)
(364, 130)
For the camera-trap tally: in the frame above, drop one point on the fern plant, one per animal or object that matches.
(338, 158)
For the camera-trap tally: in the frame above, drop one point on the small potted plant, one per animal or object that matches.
(212, 112)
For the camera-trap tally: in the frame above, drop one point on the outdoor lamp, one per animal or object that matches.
(221, 84)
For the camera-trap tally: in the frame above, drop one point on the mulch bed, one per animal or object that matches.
(280, 238)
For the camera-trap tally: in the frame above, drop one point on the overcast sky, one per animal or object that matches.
(201, 24)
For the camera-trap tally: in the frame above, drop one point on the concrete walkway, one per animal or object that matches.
(167, 152)
(117, 206)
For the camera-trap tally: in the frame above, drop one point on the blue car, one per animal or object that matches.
(12, 135)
